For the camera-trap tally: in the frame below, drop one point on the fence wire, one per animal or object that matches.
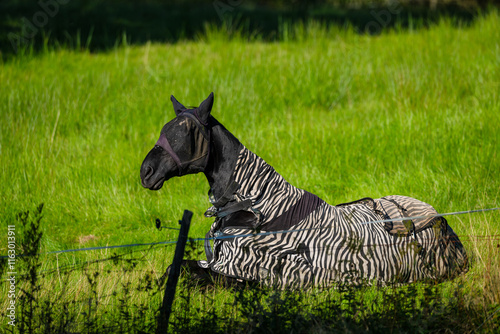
(172, 242)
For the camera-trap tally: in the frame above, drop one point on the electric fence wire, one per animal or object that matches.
(87, 263)
(81, 264)
(222, 236)
(487, 319)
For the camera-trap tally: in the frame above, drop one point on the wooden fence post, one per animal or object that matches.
(173, 275)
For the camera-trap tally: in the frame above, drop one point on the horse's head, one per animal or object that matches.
(183, 147)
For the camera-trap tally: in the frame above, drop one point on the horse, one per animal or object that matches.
(265, 230)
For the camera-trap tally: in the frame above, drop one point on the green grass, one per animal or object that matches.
(341, 115)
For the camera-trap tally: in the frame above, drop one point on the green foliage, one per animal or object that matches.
(27, 26)
(31, 237)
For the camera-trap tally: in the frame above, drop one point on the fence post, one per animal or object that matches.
(173, 275)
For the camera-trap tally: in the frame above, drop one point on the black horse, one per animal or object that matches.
(194, 143)
(323, 244)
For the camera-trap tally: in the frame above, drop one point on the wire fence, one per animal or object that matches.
(153, 246)
(257, 234)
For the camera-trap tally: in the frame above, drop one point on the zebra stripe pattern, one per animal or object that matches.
(332, 244)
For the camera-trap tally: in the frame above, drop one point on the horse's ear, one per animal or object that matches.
(178, 107)
(205, 108)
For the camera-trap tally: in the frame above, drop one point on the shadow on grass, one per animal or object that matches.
(100, 25)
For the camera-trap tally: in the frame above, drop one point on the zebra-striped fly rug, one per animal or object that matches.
(318, 244)
(328, 243)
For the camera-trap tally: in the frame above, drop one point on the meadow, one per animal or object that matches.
(343, 115)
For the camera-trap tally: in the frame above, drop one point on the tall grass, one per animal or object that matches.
(342, 115)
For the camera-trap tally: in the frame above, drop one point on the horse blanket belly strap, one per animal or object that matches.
(326, 243)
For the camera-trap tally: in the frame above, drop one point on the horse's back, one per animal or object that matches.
(405, 250)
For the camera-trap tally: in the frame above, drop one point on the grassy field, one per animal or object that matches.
(342, 115)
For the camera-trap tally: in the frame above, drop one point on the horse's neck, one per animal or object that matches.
(269, 192)
(231, 161)
(253, 174)
(224, 152)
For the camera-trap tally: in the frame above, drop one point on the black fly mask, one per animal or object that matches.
(185, 145)
(193, 158)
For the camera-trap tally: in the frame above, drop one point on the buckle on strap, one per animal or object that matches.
(238, 206)
(211, 212)
(223, 212)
